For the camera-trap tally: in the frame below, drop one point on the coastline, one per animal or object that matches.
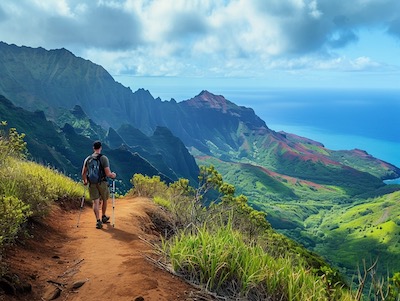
(339, 118)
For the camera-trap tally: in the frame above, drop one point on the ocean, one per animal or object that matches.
(341, 119)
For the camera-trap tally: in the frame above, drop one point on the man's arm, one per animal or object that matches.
(110, 174)
(106, 165)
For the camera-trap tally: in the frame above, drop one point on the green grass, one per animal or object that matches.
(229, 266)
(36, 185)
(28, 190)
(367, 230)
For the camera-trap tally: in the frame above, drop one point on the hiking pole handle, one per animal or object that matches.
(112, 186)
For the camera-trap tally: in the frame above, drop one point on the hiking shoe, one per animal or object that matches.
(99, 224)
(105, 219)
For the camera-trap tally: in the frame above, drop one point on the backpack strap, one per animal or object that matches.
(103, 173)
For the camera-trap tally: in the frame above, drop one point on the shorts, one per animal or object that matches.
(99, 191)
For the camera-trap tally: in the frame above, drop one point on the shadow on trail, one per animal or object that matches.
(119, 234)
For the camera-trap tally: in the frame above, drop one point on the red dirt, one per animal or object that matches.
(112, 262)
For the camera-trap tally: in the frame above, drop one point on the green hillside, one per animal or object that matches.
(368, 229)
(343, 229)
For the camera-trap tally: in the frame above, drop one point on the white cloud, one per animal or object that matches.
(202, 37)
(314, 12)
(363, 63)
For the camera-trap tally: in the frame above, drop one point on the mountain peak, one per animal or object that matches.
(205, 93)
(208, 100)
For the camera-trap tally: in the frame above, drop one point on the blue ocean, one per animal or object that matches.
(367, 119)
(340, 119)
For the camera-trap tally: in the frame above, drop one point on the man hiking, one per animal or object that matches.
(95, 170)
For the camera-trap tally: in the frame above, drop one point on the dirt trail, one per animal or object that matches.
(110, 262)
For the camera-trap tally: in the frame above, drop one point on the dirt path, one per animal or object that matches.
(111, 263)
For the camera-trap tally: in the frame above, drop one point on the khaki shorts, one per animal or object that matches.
(99, 191)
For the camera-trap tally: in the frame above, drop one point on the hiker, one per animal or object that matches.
(95, 170)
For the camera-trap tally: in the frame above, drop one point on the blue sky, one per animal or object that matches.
(205, 43)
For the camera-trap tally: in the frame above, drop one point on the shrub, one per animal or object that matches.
(13, 213)
(162, 202)
(11, 143)
(146, 186)
(182, 206)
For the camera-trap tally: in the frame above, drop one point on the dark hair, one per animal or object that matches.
(96, 144)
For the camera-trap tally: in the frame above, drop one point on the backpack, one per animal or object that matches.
(95, 172)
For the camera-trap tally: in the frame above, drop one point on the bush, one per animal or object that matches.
(146, 186)
(162, 202)
(13, 213)
(11, 143)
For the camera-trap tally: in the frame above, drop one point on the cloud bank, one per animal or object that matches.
(203, 37)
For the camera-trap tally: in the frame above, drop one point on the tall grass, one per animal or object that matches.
(36, 185)
(27, 191)
(229, 266)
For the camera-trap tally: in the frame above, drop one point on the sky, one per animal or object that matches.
(250, 43)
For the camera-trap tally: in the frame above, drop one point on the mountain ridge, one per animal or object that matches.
(207, 123)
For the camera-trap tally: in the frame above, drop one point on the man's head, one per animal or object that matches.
(97, 145)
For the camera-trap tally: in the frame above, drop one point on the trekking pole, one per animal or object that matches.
(82, 203)
(113, 202)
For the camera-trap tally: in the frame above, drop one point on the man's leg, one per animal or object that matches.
(105, 194)
(104, 207)
(96, 209)
(104, 217)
